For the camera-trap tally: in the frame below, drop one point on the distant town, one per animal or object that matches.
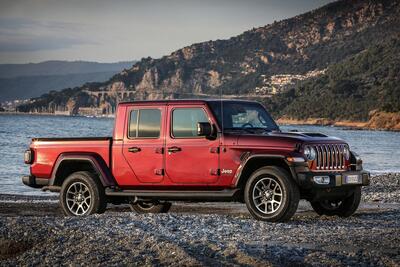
(103, 107)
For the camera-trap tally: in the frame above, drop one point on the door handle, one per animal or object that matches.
(134, 149)
(174, 149)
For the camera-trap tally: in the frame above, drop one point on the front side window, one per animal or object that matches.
(145, 123)
(184, 121)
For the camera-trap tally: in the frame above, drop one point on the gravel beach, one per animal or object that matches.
(33, 232)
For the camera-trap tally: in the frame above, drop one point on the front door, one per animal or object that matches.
(190, 159)
(143, 147)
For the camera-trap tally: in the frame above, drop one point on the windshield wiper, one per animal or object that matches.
(258, 129)
(248, 129)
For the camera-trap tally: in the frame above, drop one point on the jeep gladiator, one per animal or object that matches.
(198, 150)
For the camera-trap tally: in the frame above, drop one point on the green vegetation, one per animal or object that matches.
(348, 90)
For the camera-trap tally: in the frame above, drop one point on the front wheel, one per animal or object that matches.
(82, 194)
(271, 195)
(341, 207)
(150, 207)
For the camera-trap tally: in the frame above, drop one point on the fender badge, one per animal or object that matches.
(224, 171)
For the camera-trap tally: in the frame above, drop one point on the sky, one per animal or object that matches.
(121, 30)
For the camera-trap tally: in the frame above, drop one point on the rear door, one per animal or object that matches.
(144, 143)
(190, 159)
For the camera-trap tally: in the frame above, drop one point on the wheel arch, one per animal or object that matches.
(255, 162)
(68, 163)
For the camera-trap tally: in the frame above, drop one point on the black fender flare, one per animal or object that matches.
(248, 156)
(97, 162)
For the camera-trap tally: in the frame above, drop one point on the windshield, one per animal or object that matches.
(239, 115)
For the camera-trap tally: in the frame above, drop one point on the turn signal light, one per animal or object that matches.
(295, 159)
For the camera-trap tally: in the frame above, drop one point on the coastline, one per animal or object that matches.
(35, 114)
(372, 125)
(321, 122)
(379, 121)
(52, 114)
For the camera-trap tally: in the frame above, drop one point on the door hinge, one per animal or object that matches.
(159, 172)
(214, 150)
(215, 172)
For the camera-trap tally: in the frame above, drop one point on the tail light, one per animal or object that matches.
(28, 156)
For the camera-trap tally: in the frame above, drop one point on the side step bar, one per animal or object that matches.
(227, 194)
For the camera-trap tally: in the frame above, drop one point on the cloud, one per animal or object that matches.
(24, 35)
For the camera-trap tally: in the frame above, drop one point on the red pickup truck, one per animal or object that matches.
(199, 150)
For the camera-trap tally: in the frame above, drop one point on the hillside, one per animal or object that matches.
(290, 65)
(348, 90)
(23, 81)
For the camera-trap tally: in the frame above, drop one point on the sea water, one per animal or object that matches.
(380, 150)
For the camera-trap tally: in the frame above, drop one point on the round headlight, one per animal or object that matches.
(309, 152)
(346, 152)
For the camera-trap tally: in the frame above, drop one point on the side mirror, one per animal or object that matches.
(204, 129)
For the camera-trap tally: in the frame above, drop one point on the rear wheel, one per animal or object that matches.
(341, 207)
(271, 195)
(150, 207)
(82, 194)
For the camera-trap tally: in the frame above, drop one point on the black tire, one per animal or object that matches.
(289, 200)
(94, 190)
(151, 207)
(342, 208)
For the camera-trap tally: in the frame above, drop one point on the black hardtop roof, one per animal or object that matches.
(184, 101)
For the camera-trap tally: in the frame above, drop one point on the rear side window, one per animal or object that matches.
(144, 123)
(184, 121)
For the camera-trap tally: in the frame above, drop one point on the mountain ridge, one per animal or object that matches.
(244, 65)
(25, 87)
(24, 81)
(59, 67)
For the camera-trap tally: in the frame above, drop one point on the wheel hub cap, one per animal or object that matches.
(268, 194)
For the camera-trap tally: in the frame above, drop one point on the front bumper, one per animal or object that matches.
(35, 182)
(336, 179)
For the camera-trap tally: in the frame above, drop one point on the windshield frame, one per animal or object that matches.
(216, 104)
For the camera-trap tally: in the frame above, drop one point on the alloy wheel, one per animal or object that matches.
(78, 198)
(267, 195)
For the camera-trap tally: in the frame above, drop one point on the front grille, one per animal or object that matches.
(330, 157)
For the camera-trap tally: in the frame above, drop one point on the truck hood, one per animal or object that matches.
(285, 139)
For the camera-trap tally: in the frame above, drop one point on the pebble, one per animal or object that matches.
(383, 188)
(370, 237)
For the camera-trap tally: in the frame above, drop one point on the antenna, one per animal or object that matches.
(222, 115)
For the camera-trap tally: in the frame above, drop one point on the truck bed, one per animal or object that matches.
(47, 150)
(52, 139)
